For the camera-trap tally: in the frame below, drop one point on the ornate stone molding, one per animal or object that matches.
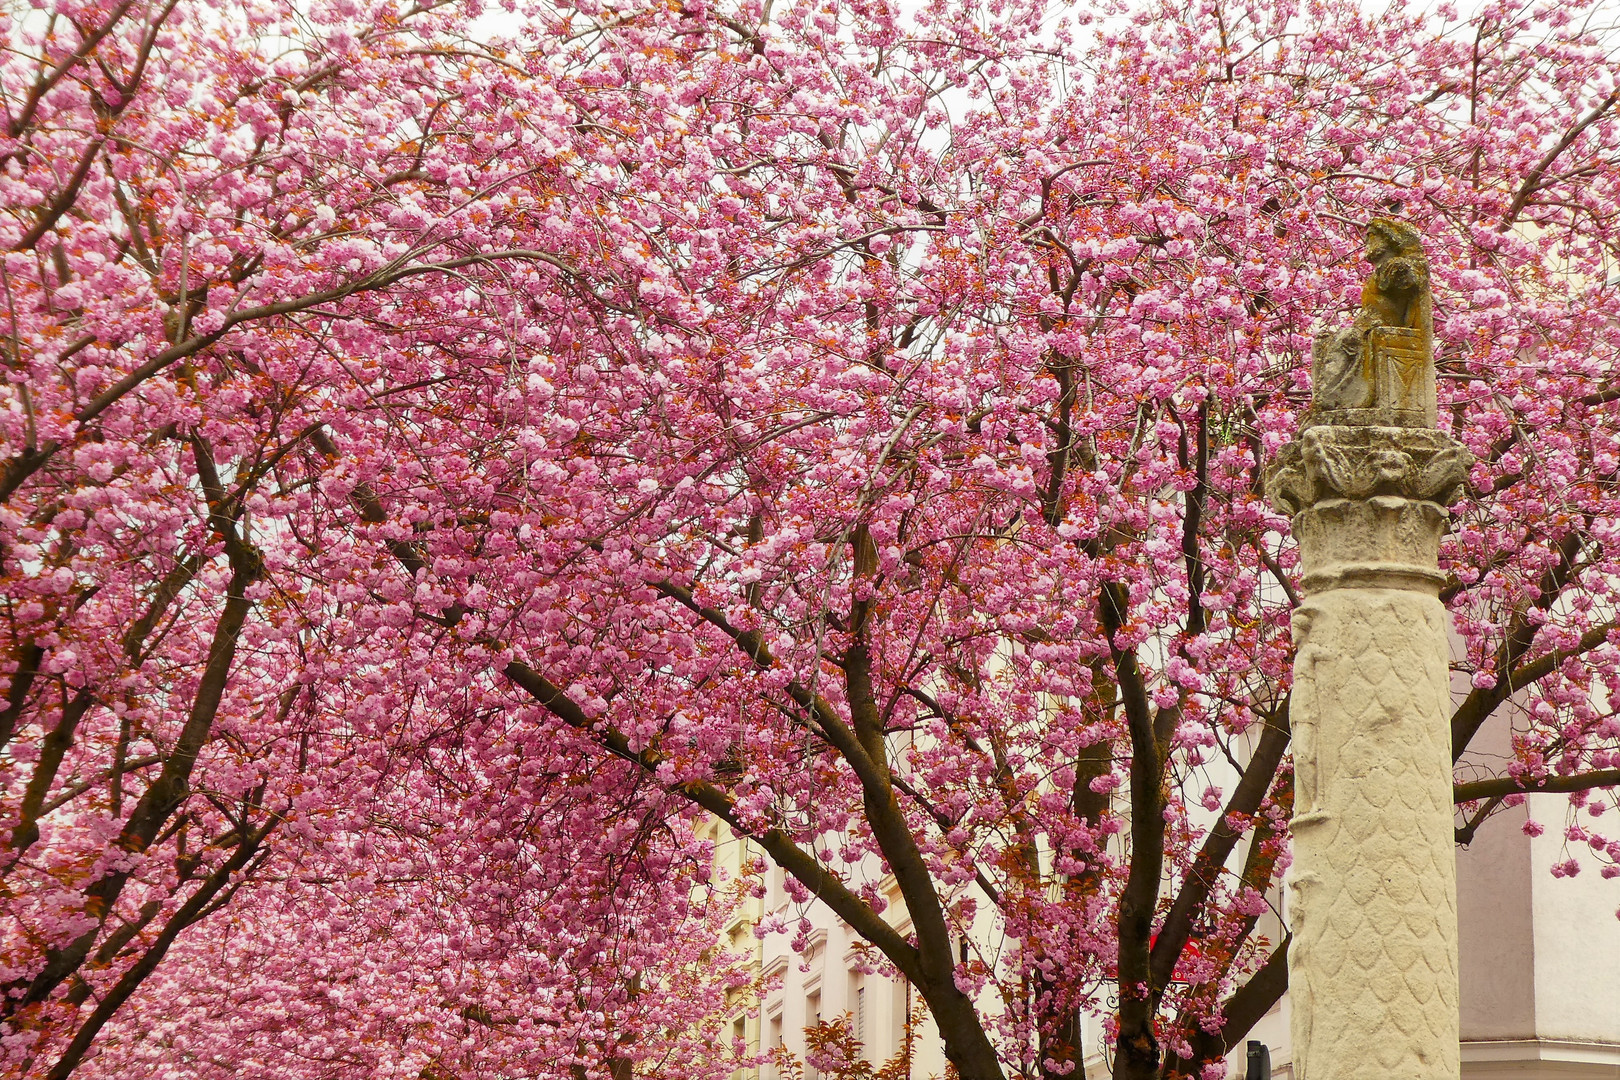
(1334, 462)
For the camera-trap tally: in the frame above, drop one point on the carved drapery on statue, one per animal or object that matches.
(1372, 890)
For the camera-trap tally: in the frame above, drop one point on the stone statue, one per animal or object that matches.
(1398, 292)
(1380, 370)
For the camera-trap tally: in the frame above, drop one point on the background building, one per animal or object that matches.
(1539, 960)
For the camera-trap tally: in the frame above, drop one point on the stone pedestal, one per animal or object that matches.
(1372, 890)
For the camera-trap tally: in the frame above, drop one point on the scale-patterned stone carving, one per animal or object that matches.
(1373, 889)
(1373, 885)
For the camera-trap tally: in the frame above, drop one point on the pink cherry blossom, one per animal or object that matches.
(441, 462)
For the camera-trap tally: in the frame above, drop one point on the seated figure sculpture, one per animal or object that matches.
(1380, 370)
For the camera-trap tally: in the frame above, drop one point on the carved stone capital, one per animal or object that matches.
(1336, 462)
(1369, 504)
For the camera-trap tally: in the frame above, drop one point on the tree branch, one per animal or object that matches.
(1218, 846)
(1470, 790)
(788, 855)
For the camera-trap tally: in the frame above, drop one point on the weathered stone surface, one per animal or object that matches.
(1380, 371)
(1359, 462)
(1372, 889)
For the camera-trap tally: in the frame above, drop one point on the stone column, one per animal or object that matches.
(1373, 886)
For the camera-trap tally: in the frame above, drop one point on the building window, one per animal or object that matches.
(900, 1022)
(739, 1037)
(775, 1044)
(812, 1019)
(857, 1008)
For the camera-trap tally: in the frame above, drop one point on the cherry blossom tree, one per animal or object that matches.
(437, 463)
(213, 213)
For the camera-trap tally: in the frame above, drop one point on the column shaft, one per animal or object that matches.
(1373, 886)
